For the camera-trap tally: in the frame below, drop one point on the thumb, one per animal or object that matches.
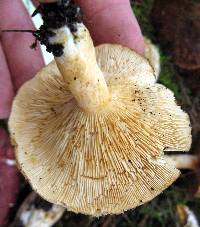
(112, 21)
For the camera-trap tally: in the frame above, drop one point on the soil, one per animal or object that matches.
(56, 15)
(177, 24)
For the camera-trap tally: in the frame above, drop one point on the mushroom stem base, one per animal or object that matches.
(184, 161)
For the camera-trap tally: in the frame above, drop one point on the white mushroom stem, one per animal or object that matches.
(184, 161)
(79, 68)
(35, 212)
(186, 216)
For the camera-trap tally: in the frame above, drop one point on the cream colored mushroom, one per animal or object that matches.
(35, 212)
(184, 161)
(187, 217)
(153, 55)
(90, 128)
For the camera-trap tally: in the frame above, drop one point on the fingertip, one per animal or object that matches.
(6, 87)
(113, 22)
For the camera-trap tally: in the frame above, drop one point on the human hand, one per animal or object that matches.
(9, 177)
(109, 21)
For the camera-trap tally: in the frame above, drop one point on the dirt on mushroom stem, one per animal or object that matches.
(57, 15)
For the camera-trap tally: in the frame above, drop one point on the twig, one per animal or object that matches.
(17, 30)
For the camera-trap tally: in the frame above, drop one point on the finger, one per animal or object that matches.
(23, 62)
(112, 21)
(9, 178)
(6, 87)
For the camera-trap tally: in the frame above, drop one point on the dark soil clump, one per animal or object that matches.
(55, 16)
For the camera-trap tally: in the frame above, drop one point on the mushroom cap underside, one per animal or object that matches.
(106, 162)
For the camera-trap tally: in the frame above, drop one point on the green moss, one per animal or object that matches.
(167, 75)
(142, 12)
(162, 210)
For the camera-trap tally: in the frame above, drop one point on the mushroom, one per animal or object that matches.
(90, 128)
(184, 161)
(152, 54)
(35, 211)
(187, 217)
(188, 162)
